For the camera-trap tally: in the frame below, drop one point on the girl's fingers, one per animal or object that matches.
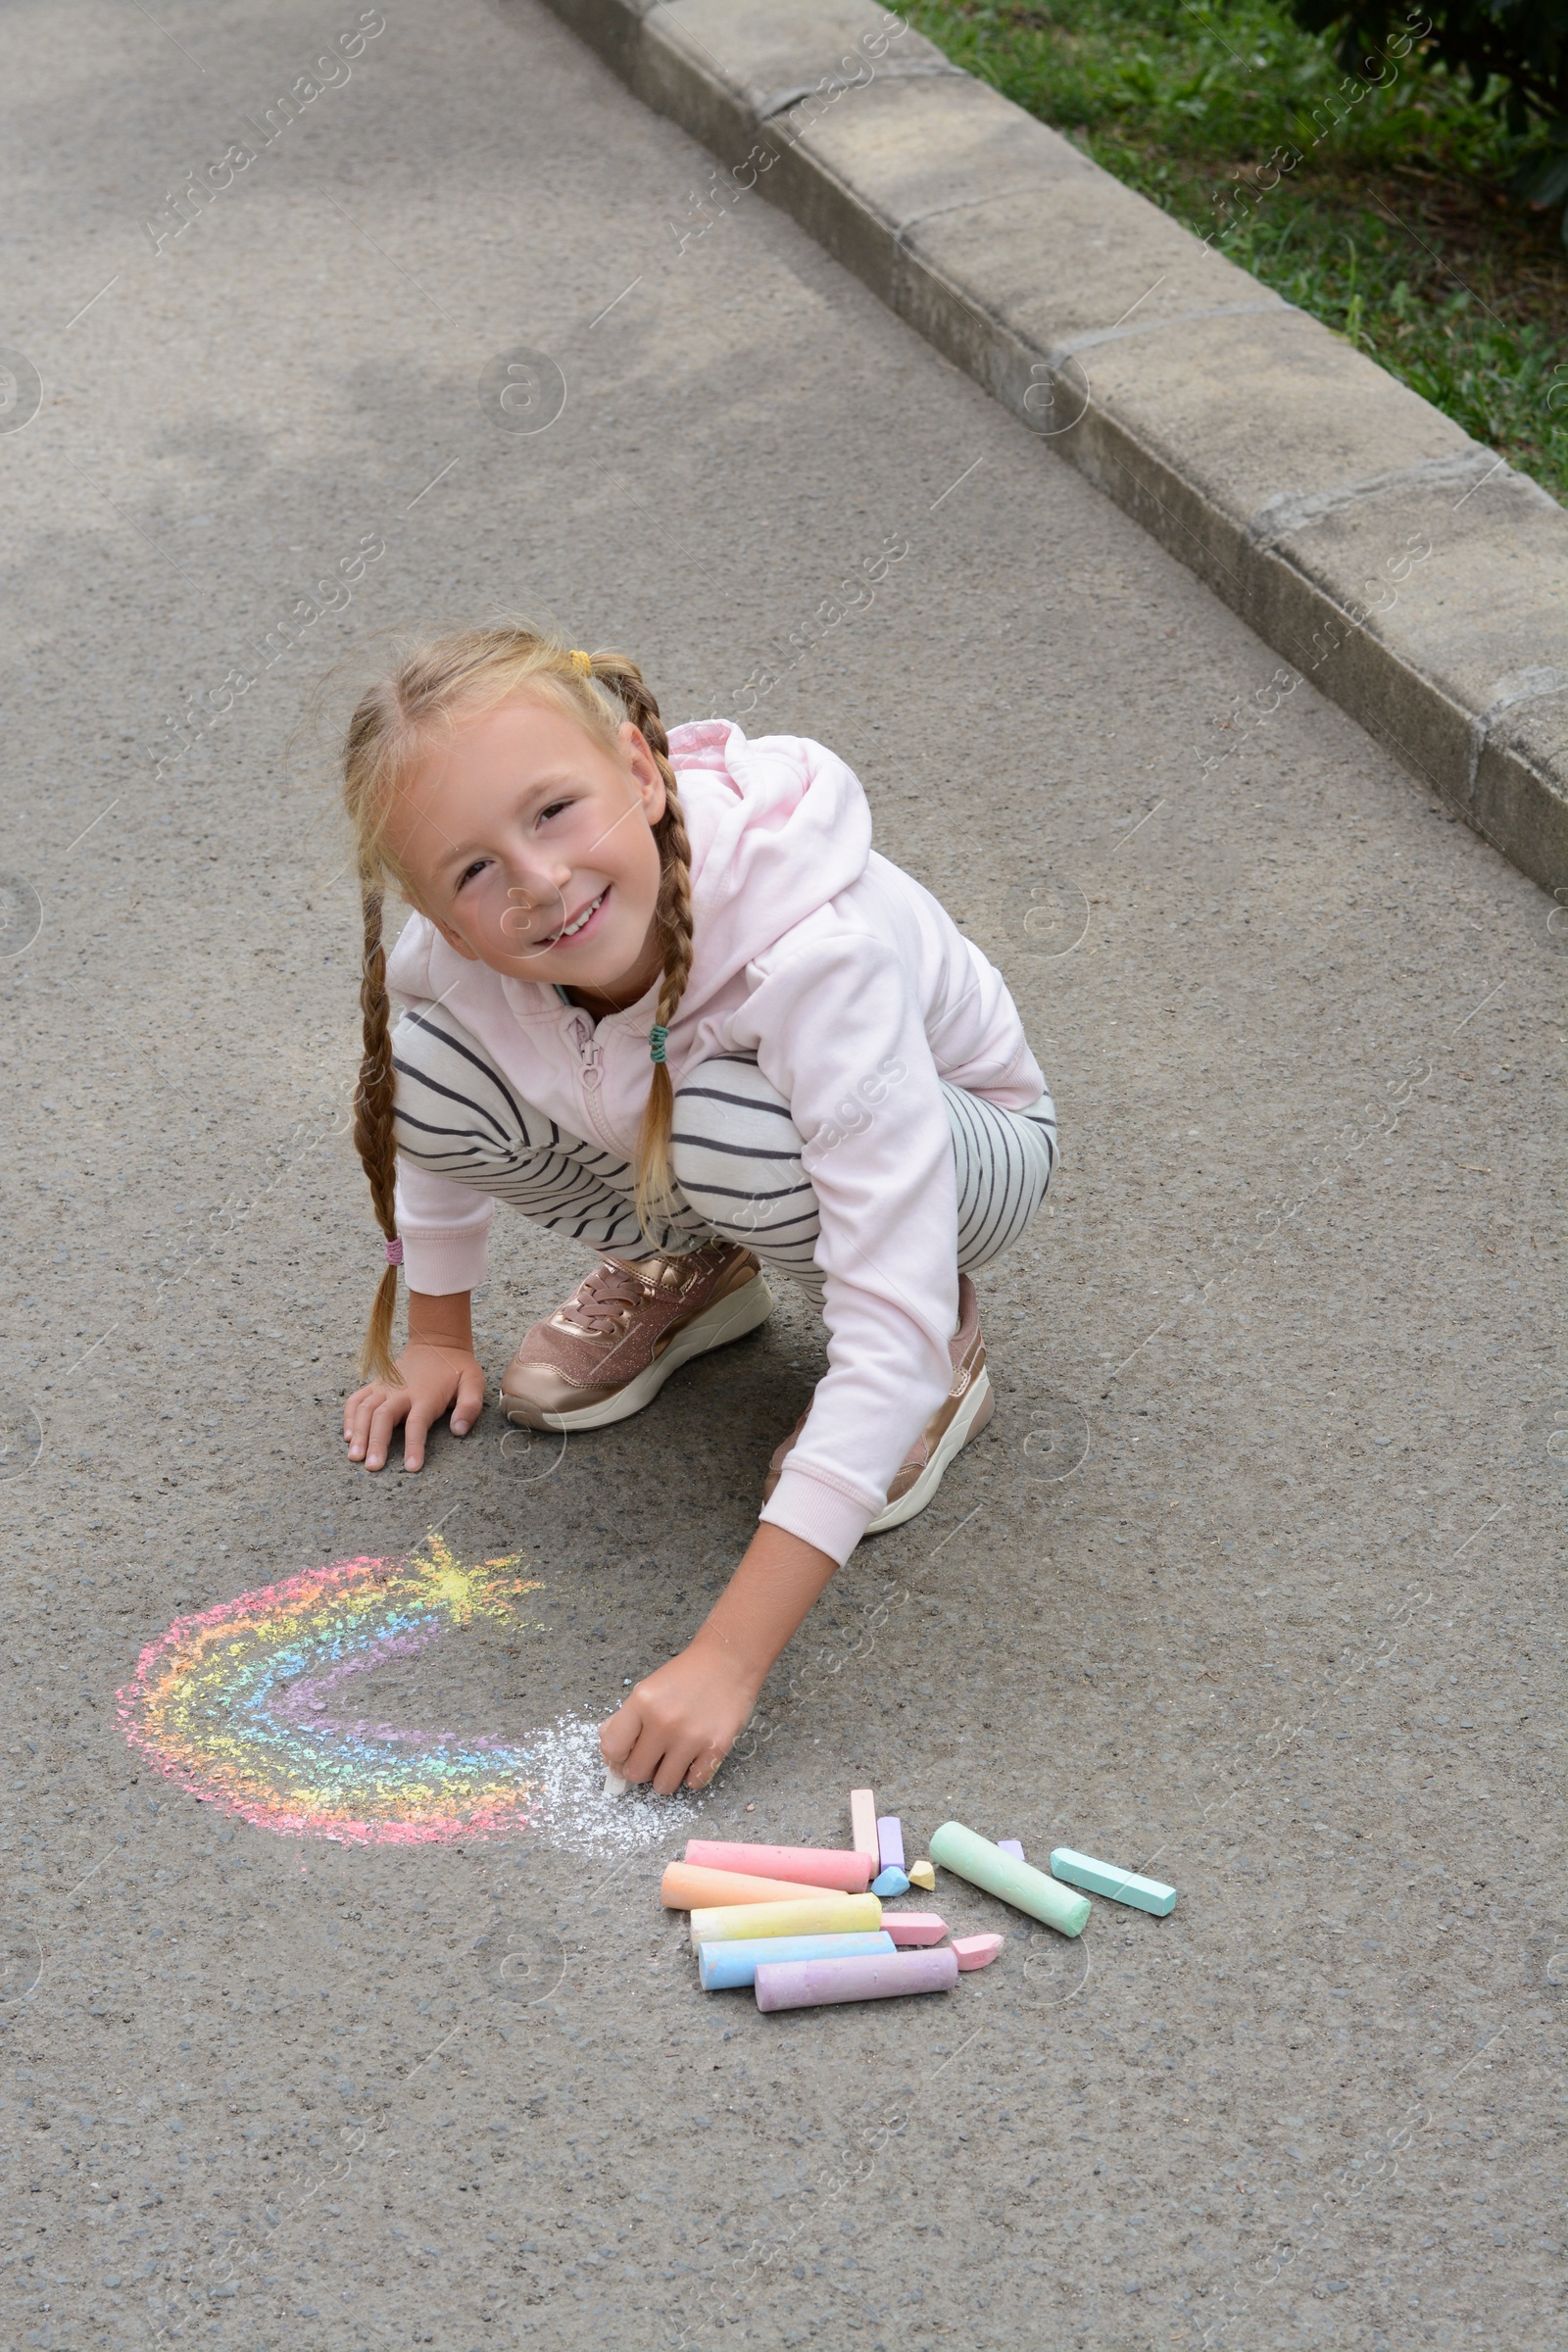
(383, 1421)
(618, 1736)
(415, 1433)
(471, 1401)
(649, 1742)
(647, 1758)
(356, 1421)
(678, 1758)
(643, 1758)
(707, 1764)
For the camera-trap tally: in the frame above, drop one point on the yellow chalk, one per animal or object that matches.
(921, 1874)
(813, 1915)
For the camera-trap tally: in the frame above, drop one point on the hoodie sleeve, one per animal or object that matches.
(445, 1230)
(444, 1227)
(839, 1032)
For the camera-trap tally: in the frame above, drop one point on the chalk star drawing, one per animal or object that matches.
(237, 1704)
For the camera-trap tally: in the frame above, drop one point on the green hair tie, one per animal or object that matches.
(658, 1039)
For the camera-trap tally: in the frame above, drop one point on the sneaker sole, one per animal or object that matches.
(967, 1423)
(728, 1319)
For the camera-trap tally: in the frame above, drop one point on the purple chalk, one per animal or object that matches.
(812, 1984)
(890, 1841)
(1010, 1845)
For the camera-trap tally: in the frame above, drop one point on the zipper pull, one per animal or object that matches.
(592, 1071)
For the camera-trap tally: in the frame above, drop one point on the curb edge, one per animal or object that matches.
(1493, 745)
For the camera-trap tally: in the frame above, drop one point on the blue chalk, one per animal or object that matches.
(1122, 1885)
(889, 1882)
(1010, 1845)
(719, 1966)
(890, 1841)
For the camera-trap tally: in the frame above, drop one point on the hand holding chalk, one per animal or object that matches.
(676, 1726)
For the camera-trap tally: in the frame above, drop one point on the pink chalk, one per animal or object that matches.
(890, 1840)
(807, 1864)
(976, 1951)
(914, 1926)
(1004, 1845)
(879, 1977)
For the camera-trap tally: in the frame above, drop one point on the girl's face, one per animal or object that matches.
(531, 849)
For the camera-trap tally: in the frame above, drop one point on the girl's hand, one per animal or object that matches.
(677, 1726)
(431, 1377)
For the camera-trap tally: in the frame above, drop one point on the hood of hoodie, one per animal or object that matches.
(778, 828)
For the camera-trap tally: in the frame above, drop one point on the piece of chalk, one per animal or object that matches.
(862, 1825)
(808, 1865)
(976, 1951)
(614, 1785)
(687, 1887)
(1122, 1885)
(812, 1915)
(812, 1984)
(1010, 1845)
(921, 1874)
(889, 1882)
(914, 1926)
(890, 1841)
(976, 1859)
(719, 1966)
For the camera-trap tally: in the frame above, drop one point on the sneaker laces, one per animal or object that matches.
(600, 1300)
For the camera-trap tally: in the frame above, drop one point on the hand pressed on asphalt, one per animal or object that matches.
(429, 1378)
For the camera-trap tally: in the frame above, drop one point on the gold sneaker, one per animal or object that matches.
(609, 1349)
(963, 1415)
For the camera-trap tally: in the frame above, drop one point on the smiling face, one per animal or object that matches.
(530, 848)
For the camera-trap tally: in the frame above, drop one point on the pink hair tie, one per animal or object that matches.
(394, 1252)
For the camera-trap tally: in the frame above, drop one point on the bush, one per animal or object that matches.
(1515, 53)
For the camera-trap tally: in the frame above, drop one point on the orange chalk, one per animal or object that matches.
(688, 1887)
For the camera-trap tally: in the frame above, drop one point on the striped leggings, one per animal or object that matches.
(735, 1156)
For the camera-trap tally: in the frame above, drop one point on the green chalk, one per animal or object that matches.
(1122, 1885)
(1016, 1882)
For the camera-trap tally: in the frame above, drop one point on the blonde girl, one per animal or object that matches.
(663, 995)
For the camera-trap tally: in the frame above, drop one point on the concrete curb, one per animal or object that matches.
(1413, 575)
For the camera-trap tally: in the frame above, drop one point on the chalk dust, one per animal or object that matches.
(575, 1813)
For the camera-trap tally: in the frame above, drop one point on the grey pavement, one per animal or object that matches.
(1250, 1578)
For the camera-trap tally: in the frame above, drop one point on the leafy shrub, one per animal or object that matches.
(1515, 53)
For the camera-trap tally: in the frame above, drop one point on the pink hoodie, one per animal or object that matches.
(837, 970)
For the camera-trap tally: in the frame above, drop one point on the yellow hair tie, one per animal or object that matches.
(583, 662)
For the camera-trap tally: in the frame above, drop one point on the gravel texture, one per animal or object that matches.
(1247, 1584)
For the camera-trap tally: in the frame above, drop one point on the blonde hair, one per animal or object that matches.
(432, 686)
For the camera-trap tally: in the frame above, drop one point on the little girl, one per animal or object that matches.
(660, 994)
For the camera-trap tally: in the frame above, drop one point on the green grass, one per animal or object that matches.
(1393, 227)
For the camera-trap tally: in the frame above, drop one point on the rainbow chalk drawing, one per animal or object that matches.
(245, 1705)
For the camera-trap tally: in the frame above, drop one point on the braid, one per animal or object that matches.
(673, 915)
(655, 1182)
(373, 1134)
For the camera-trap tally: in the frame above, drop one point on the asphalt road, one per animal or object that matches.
(1249, 1579)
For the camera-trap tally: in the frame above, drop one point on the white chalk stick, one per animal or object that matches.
(862, 1825)
(614, 1785)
